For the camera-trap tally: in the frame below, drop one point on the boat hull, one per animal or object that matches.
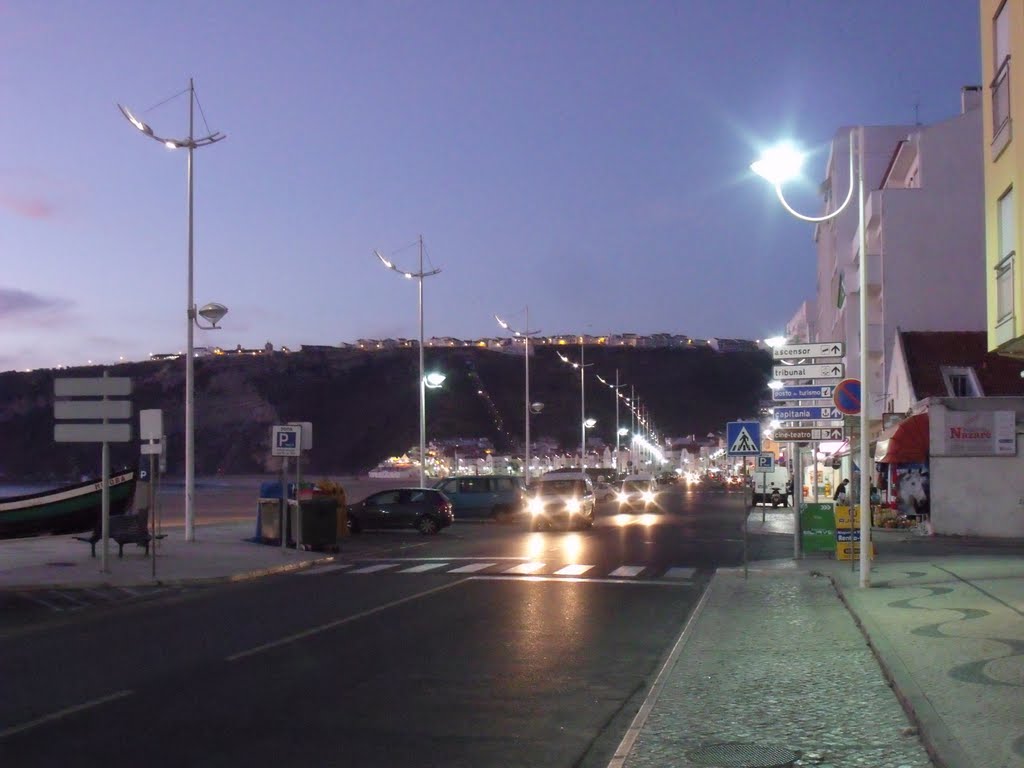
(69, 509)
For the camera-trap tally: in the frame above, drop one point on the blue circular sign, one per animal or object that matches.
(846, 396)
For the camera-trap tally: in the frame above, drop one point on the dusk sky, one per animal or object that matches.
(588, 159)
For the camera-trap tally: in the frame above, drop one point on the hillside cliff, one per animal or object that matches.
(364, 406)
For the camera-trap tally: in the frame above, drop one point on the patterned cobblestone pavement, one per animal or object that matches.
(775, 665)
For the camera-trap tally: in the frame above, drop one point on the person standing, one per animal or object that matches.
(840, 495)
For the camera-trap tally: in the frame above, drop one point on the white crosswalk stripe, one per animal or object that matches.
(324, 569)
(424, 567)
(374, 568)
(526, 568)
(573, 570)
(680, 573)
(472, 568)
(628, 571)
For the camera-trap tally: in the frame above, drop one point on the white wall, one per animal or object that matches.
(978, 496)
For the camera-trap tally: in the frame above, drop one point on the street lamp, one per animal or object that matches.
(423, 381)
(618, 395)
(779, 166)
(525, 334)
(583, 410)
(211, 312)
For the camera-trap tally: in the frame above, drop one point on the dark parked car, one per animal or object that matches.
(493, 496)
(425, 509)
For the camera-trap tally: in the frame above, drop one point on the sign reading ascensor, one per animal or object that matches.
(972, 433)
(817, 349)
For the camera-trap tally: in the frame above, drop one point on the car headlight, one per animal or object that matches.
(622, 497)
(573, 505)
(648, 497)
(535, 506)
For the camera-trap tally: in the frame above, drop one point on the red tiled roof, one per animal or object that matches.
(927, 351)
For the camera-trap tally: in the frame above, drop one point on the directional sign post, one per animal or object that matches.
(816, 349)
(90, 423)
(804, 392)
(808, 434)
(807, 414)
(815, 371)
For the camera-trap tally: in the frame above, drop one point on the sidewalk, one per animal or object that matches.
(773, 669)
(220, 553)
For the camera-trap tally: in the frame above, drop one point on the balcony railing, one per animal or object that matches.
(1001, 107)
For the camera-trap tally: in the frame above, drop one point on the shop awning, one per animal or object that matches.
(906, 443)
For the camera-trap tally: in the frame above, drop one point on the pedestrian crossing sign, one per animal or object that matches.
(743, 438)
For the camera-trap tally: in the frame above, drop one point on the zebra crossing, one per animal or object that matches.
(496, 568)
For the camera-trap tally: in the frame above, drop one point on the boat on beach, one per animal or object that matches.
(68, 509)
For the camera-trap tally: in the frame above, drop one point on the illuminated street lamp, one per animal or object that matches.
(423, 379)
(583, 411)
(210, 312)
(525, 334)
(778, 166)
(618, 432)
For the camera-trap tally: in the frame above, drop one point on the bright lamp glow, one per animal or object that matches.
(775, 384)
(775, 341)
(434, 380)
(779, 164)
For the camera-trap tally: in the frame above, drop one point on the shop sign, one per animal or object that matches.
(974, 433)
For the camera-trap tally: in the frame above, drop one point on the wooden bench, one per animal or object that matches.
(131, 528)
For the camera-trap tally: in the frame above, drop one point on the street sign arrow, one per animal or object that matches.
(817, 349)
(829, 371)
(807, 434)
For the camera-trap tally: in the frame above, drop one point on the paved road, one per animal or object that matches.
(487, 645)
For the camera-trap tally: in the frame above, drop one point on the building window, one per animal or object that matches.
(961, 382)
(1000, 80)
(1004, 263)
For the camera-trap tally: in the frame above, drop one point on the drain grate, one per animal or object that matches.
(743, 756)
(61, 564)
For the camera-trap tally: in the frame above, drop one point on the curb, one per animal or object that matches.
(942, 747)
(180, 582)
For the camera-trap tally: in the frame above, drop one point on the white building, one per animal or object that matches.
(925, 236)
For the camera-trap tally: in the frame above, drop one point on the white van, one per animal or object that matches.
(764, 485)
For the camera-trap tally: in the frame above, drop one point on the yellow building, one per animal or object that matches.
(1002, 42)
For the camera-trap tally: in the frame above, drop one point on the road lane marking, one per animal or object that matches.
(374, 568)
(525, 568)
(63, 713)
(626, 745)
(472, 568)
(339, 622)
(573, 570)
(584, 580)
(323, 569)
(422, 568)
(680, 573)
(627, 571)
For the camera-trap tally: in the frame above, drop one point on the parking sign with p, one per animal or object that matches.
(286, 440)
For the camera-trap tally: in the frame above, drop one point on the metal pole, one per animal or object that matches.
(865, 378)
(617, 420)
(298, 496)
(104, 493)
(798, 490)
(190, 415)
(152, 510)
(526, 342)
(583, 412)
(423, 386)
(284, 504)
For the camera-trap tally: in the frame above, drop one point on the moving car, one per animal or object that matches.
(487, 496)
(637, 493)
(561, 497)
(425, 509)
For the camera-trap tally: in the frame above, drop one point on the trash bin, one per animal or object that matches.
(269, 511)
(319, 523)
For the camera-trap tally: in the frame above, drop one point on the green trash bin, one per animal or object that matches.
(319, 525)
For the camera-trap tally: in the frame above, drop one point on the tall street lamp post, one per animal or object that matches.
(210, 312)
(615, 388)
(423, 382)
(525, 334)
(779, 166)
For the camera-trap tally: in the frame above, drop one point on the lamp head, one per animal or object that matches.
(779, 164)
(590, 423)
(434, 380)
(213, 313)
(775, 341)
(536, 407)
